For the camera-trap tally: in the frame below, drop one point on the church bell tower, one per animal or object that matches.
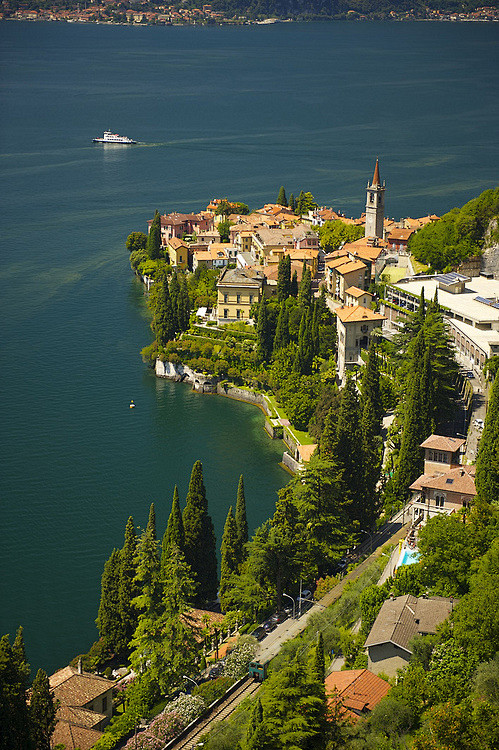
(375, 206)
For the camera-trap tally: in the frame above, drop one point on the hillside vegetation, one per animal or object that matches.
(458, 235)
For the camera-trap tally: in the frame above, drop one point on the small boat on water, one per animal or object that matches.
(114, 138)
(132, 405)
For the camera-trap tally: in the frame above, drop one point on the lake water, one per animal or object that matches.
(221, 112)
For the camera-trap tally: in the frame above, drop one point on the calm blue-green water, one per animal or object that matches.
(221, 112)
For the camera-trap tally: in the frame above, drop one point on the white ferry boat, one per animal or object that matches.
(114, 138)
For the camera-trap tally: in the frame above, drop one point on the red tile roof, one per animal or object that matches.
(359, 690)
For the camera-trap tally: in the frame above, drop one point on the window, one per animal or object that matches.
(238, 298)
(104, 704)
(439, 501)
(226, 298)
(226, 313)
(238, 314)
(251, 299)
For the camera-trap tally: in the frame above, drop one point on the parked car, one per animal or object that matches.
(479, 423)
(259, 633)
(278, 617)
(216, 671)
(269, 625)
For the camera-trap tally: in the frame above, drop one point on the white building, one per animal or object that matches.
(355, 326)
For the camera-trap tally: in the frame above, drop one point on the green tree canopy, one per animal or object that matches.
(199, 534)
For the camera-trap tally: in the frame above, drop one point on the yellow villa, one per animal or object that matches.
(238, 289)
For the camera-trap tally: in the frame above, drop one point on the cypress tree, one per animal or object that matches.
(163, 323)
(264, 333)
(293, 288)
(174, 290)
(229, 556)
(372, 455)
(151, 522)
(241, 521)
(259, 735)
(184, 305)
(410, 463)
(348, 449)
(109, 621)
(42, 712)
(14, 726)
(127, 587)
(283, 278)
(147, 578)
(281, 198)
(299, 204)
(200, 544)
(314, 333)
(22, 669)
(487, 464)
(317, 661)
(281, 338)
(174, 533)
(292, 203)
(304, 354)
(370, 387)
(153, 245)
(305, 290)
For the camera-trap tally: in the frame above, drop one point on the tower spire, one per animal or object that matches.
(376, 180)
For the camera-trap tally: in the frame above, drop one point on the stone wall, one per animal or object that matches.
(180, 373)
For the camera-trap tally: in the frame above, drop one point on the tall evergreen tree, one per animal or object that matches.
(229, 557)
(184, 305)
(281, 338)
(109, 620)
(283, 278)
(175, 291)
(410, 460)
(151, 522)
(200, 549)
(127, 586)
(42, 712)
(163, 323)
(487, 464)
(264, 333)
(281, 198)
(299, 210)
(259, 735)
(164, 642)
(147, 578)
(14, 726)
(317, 661)
(153, 245)
(348, 449)
(241, 522)
(292, 203)
(370, 387)
(305, 352)
(296, 709)
(305, 290)
(293, 287)
(174, 533)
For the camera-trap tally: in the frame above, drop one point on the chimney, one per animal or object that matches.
(80, 667)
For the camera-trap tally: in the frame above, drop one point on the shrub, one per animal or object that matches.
(237, 663)
(212, 690)
(187, 707)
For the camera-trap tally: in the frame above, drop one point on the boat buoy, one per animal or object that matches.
(132, 405)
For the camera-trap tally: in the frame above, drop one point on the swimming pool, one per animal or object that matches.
(408, 557)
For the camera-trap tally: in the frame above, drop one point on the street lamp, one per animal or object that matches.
(290, 597)
(184, 676)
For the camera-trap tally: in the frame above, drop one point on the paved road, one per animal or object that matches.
(392, 533)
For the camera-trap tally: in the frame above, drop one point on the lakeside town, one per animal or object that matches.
(366, 606)
(175, 15)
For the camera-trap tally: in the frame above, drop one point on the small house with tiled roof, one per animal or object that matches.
(355, 326)
(178, 253)
(355, 296)
(357, 691)
(85, 707)
(446, 486)
(400, 619)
